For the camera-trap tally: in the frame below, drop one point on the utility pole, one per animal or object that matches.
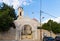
(40, 28)
(40, 21)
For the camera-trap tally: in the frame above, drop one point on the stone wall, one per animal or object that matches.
(48, 33)
(10, 35)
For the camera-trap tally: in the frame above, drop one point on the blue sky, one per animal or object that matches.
(52, 7)
(33, 7)
(49, 6)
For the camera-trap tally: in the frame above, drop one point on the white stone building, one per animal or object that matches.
(26, 28)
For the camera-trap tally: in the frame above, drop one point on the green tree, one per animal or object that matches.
(52, 26)
(7, 16)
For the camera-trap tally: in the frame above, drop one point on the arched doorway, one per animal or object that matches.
(26, 32)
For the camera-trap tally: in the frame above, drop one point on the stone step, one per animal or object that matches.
(26, 40)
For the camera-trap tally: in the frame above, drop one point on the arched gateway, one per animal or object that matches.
(26, 28)
(26, 32)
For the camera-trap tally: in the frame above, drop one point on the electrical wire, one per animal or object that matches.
(48, 14)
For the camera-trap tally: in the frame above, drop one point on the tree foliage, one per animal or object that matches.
(7, 16)
(52, 26)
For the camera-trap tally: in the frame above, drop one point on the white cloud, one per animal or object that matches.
(1, 1)
(54, 19)
(25, 3)
(57, 19)
(17, 3)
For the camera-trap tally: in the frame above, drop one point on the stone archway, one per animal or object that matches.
(26, 32)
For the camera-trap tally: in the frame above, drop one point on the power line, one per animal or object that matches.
(48, 14)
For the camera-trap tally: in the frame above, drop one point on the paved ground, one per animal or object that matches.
(20, 40)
